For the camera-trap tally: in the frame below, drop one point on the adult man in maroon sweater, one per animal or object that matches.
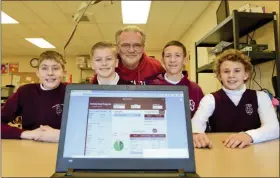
(134, 64)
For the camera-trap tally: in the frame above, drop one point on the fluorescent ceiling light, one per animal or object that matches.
(135, 12)
(40, 42)
(5, 19)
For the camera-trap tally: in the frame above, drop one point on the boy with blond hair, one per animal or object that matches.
(104, 62)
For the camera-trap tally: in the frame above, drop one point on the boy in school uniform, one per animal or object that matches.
(234, 108)
(104, 62)
(40, 105)
(174, 59)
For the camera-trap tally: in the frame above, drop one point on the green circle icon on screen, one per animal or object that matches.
(118, 145)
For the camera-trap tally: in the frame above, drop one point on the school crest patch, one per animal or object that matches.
(249, 109)
(58, 108)
(192, 105)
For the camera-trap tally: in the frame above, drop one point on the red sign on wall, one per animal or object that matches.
(4, 69)
(13, 67)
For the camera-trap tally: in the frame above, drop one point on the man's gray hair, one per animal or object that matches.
(130, 28)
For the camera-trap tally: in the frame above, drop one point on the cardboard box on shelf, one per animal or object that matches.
(252, 8)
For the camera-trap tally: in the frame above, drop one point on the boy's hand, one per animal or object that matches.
(239, 140)
(200, 140)
(43, 133)
(31, 134)
(49, 134)
(45, 128)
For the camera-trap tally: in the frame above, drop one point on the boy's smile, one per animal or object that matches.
(233, 75)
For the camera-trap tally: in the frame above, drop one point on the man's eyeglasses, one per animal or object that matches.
(126, 46)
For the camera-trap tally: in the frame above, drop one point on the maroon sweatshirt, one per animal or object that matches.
(147, 67)
(35, 106)
(195, 92)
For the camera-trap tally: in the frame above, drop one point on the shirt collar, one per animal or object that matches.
(235, 92)
(113, 82)
(170, 81)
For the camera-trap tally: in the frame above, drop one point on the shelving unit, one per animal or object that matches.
(257, 58)
(232, 29)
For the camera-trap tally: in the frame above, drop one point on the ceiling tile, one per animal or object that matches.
(191, 11)
(171, 9)
(77, 41)
(7, 32)
(88, 30)
(42, 30)
(108, 31)
(53, 21)
(17, 30)
(176, 32)
(157, 31)
(26, 44)
(48, 11)
(62, 29)
(91, 40)
(20, 12)
(107, 12)
(77, 50)
(57, 42)
(68, 6)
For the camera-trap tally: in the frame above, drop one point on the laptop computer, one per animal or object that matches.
(125, 131)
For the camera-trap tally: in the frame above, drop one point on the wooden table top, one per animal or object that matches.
(29, 158)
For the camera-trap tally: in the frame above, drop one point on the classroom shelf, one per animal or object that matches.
(234, 27)
(256, 58)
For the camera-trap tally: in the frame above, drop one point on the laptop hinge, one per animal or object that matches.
(69, 172)
(181, 172)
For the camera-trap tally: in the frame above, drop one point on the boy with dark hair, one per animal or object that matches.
(174, 58)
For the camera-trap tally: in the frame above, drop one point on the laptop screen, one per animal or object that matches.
(126, 124)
